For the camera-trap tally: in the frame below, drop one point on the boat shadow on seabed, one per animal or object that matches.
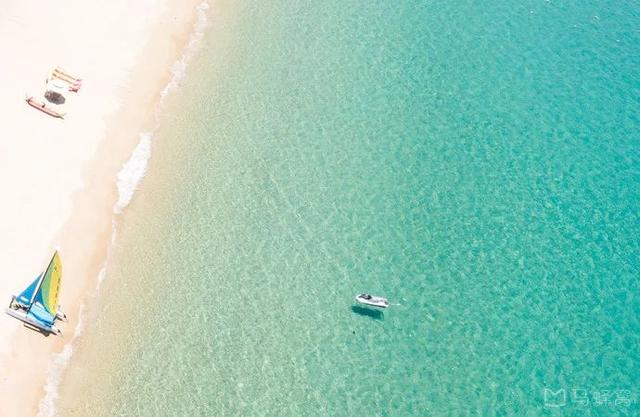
(363, 311)
(35, 329)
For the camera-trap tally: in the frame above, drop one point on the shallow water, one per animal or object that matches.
(476, 163)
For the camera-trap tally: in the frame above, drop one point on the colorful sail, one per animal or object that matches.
(37, 305)
(47, 293)
(26, 297)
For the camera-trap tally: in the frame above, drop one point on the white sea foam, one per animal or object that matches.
(57, 367)
(132, 172)
(179, 67)
(101, 275)
(128, 180)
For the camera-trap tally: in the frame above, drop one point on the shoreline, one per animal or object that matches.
(86, 234)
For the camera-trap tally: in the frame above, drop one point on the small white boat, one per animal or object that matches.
(372, 300)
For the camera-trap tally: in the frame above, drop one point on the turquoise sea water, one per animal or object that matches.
(475, 162)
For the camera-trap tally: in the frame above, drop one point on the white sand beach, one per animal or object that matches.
(57, 176)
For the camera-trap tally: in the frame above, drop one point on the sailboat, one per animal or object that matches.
(38, 305)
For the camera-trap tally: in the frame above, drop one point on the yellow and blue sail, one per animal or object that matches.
(41, 296)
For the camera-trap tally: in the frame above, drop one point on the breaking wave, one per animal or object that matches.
(57, 366)
(132, 172)
(179, 67)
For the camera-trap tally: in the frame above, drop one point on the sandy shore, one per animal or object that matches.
(58, 177)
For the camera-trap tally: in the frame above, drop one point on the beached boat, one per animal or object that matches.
(372, 300)
(42, 106)
(38, 305)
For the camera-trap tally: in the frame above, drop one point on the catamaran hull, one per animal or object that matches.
(43, 107)
(22, 316)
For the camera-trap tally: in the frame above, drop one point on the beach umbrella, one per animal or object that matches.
(55, 91)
